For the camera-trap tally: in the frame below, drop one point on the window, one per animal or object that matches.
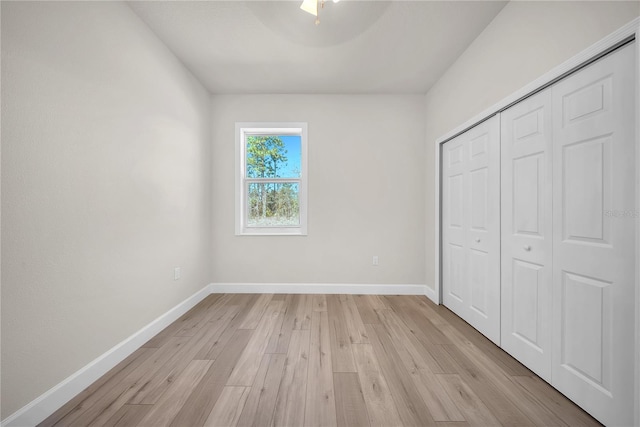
(271, 178)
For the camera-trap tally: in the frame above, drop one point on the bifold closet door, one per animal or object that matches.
(471, 227)
(594, 224)
(526, 232)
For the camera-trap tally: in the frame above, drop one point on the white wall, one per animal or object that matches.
(366, 192)
(105, 187)
(523, 42)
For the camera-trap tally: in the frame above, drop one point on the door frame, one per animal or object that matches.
(623, 35)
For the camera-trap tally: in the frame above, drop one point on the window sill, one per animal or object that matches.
(273, 232)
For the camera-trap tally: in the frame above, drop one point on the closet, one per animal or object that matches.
(539, 233)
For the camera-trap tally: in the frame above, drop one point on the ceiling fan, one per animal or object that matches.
(311, 6)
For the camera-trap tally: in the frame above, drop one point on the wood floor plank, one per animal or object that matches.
(261, 402)
(475, 412)
(319, 303)
(416, 355)
(256, 312)
(494, 373)
(290, 403)
(216, 303)
(411, 407)
(303, 316)
(353, 321)
(166, 374)
(367, 314)
(440, 404)
(215, 330)
(380, 405)
(128, 415)
(198, 406)
(378, 302)
(292, 312)
(439, 354)
(248, 364)
(244, 302)
(279, 340)
(228, 408)
(419, 364)
(510, 365)
(320, 408)
(118, 396)
(497, 401)
(190, 317)
(552, 399)
(170, 403)
(92, 393)
(341, 352)
(453, 424)
(426, 333)
(351, 411)
(414, 316)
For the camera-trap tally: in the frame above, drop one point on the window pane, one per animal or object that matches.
(273, 205)
(273, 156)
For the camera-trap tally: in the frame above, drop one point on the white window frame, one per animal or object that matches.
(258, 128)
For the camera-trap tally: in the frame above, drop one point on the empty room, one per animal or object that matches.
(320, 213)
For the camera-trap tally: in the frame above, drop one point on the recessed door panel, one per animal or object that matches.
(528, 125)
(586, 176)
(478, 277)
(479, 194)
(456, 274)
(455, 201)
(525, 302)
(586, 340)
(528, 191)
(587, 101)
(455, 155)
(478, 145)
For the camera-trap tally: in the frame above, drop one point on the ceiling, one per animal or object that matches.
(359, 46)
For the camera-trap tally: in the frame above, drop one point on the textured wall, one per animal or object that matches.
(523, 42)
(366, 191)
(105, 187)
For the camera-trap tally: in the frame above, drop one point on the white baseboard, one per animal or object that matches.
(317, 288)
(49, 402)
(431, 294)
(39, 409)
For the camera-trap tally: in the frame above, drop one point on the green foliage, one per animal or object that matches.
(273, 204)
(264, 155)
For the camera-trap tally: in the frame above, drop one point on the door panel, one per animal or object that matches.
(586, 341)
(471, 221)
(526, 308)
(478, 281)
(528, 190)
(594, 249)
(526, 232)
(479, 194)
(587, 187)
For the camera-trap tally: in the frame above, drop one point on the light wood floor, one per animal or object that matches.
(311, 360)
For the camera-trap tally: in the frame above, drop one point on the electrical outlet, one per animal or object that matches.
(177, 273)
(375, 260)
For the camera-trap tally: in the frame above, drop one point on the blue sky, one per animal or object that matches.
(292, 145)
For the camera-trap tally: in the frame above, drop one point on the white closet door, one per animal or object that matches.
(471, 227)
(526, 147)
(593, 243)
